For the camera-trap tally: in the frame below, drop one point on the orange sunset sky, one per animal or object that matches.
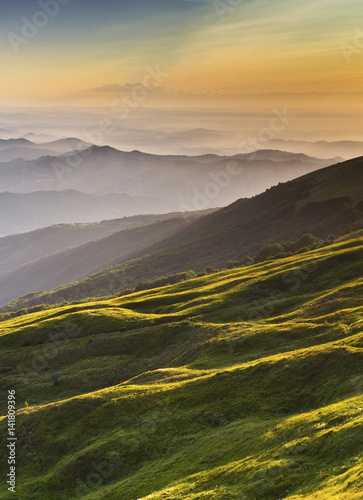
(197, 53)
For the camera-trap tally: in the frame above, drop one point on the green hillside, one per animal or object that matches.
(244, 384)
(328, 202)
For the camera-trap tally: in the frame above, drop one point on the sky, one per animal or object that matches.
(170, 53)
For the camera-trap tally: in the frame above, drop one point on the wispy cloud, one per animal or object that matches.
(115, 88)
(257, 46)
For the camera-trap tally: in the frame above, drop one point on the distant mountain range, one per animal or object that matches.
(320, 149)
(326, 202)
(24, 212)
(212, 354)
(83, 185)
(68, 181)
(59, 145)
(15, 149)
(103, 170)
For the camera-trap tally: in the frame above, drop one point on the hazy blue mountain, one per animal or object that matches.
(73, 264)
(198, 181)
(59, 145)
(320, 149)
(23, 153)
(20, 249)
(16, 143)
(21, 212)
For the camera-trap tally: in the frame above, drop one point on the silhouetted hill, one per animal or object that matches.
(65, 145)
(14, 143)
(73, 264)
(17, 154)
(19, 249)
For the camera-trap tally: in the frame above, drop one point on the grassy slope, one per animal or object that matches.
(324, 202)
(246, 384)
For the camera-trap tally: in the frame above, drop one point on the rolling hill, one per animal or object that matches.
(326, 203)
(245, 384)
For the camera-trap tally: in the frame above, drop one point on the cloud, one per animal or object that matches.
(116, 88)
(243, 46)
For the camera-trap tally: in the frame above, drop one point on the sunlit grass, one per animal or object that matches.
(245, 384)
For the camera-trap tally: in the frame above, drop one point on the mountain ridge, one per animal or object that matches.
(327, 202)
(24, 212)
(143, 174)
(19, 249)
